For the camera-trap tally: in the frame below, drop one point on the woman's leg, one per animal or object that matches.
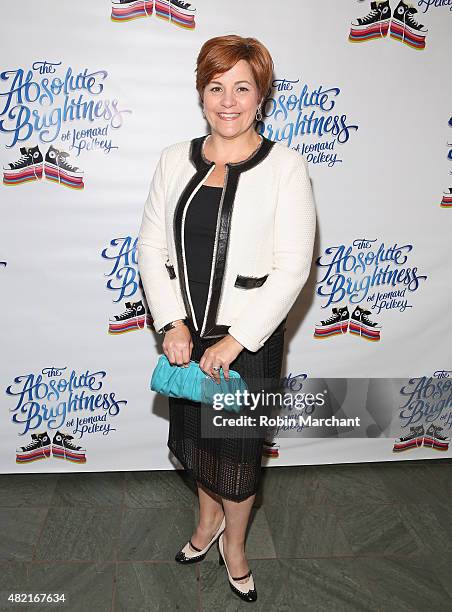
(237, 517)
(210, 516)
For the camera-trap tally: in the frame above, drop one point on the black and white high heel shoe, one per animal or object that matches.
(187, 555)
(245, 590)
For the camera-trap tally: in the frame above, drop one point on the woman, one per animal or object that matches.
(224, 249)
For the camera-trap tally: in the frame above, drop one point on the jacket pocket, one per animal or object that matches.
(170, 269)
(249, 282)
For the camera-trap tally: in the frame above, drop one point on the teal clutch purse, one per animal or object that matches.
(193, 384)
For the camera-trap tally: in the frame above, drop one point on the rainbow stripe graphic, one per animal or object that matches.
(446, 202)
(362, 330)
(183, 17)
(59, 452)
(270, 450)
(336, 329)
(436, 444)
(38, 453)
(58, 175)
(405, 34)
(24, 175)
(133, 10)
(371, 32)
(407, 445)
(132, 324)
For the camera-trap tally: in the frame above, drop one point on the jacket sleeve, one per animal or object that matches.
(152, 254)
(294, 234)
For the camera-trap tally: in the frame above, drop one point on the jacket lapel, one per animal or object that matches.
(209, 328)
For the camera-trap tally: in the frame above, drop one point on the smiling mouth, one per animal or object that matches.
(228, 116)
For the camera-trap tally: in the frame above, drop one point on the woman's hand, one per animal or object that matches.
(177, 345)
(222, 353)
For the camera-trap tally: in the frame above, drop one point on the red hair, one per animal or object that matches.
(219, 54)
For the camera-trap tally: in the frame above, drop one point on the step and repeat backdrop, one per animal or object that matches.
(89, 96)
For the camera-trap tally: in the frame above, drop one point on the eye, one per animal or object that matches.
(243, 87)
(215, 87)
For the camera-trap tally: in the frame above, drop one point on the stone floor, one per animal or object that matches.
(372, 536)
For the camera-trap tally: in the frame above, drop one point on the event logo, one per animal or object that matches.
(400, 23)
(31, 166)
(124, 280)
(305, 112)
(35, 105)
(446, 202)
(176, 12)
(364, 273)
(52, 400)
(428, 399)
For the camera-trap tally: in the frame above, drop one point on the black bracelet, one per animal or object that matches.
(170, 325)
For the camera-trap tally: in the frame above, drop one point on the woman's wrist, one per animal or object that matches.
(236, 341)
(172, 325)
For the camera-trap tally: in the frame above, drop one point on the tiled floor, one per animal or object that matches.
(334, 537)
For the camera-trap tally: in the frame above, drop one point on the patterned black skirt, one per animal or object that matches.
(228, 463)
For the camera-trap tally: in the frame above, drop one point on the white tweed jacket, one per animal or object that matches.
(263, 243)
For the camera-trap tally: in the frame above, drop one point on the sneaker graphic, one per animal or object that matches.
(405, 28)
(57, 169)
(27, 168)
(413, 440)
(361, 325)
(134, 317)
(374, 25)
(446, 202)
(435, 439)
(177, 12)
(335, 325)
(270, 449)
(125, 10)
(62, 448)
(39, 448)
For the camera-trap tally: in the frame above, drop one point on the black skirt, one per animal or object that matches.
(228, 465)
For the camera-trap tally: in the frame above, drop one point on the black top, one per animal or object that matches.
(199, 234)
(199, 240)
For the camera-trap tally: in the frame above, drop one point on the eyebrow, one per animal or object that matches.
(244, 81)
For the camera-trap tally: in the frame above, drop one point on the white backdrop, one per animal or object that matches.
(372, 115)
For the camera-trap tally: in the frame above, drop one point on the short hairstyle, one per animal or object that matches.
(219, 54)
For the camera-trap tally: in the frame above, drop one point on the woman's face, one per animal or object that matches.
(231, 100)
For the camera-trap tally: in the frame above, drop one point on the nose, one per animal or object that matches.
(228, 98)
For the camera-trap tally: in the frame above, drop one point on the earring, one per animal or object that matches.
(259, 114)
(203, 113)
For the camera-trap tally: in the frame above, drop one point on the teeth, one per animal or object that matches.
(229, 114)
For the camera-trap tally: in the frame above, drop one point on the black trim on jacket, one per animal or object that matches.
(232, 175)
